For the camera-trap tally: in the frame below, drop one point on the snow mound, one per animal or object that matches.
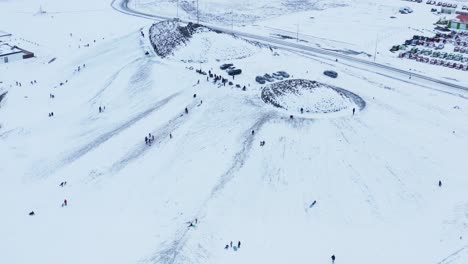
(310, 96)
(196, 43)
(167, 35)
(209, 45)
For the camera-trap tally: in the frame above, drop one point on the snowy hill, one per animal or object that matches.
(226, 163)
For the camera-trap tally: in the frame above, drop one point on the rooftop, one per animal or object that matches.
(7, 49)
(463, 18)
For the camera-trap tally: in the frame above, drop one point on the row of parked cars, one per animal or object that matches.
(443, 4)
(279, 75)
(435, 61)
(438, 54)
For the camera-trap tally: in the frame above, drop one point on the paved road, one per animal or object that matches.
(389, 71)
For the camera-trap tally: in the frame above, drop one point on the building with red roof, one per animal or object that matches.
(459, 22)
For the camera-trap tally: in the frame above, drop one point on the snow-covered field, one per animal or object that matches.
(365, 28)
(364, 188)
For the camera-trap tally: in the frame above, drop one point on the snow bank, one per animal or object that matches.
(195, 43)
(310, 96)
(165, 36)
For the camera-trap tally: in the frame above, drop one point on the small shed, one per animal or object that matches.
(447, 10)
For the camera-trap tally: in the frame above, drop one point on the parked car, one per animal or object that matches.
(332, 74)
(260, 80)
(284, 74)
(225, 66)
(268, 77)
(234, 72)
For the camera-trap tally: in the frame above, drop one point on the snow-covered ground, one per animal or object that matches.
(373, 176)
(366, 29)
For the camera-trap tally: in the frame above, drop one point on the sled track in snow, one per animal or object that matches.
(241, 156)
(108, 135)
(453, 257)
(163, 135)
(172, 250)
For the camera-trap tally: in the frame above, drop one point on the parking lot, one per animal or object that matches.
(444, 49)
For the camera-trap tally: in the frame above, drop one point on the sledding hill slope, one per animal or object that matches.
(362, 187)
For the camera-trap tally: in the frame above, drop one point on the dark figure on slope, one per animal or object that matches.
(440, 183)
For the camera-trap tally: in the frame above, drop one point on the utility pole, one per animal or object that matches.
(375, 50)
(297, 34)
(198, 14)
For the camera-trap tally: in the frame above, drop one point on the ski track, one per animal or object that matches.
(163, 134)
(452, 257)
(111, 80)
(171, 253)
(108, 135)
(240, 157)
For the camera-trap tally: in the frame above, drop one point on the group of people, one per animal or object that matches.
(191, 223)
(79, 67)
(150, 139)
(220, 78)
(234, 247)
(101, 109)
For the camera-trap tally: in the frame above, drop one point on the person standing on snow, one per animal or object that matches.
(238, 244)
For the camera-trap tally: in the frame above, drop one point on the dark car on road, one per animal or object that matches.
(332, 74)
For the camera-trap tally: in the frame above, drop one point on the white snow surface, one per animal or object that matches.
(374, 176)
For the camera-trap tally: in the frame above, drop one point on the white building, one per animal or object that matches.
(13, 53)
